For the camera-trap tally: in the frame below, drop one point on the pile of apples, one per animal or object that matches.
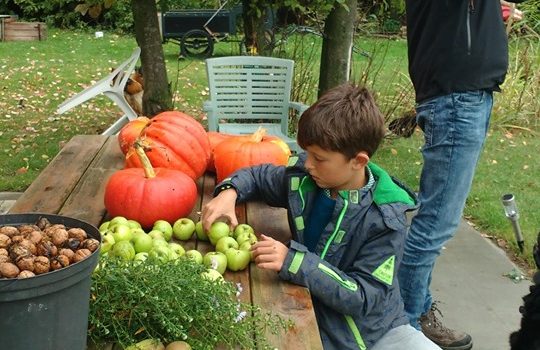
(127, 240)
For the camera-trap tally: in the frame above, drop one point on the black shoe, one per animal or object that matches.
(446, 338)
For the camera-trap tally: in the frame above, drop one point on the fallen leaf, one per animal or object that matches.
(393, 151)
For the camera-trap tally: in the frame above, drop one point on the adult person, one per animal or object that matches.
(458, 56)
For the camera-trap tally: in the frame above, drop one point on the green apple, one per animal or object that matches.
(241, 228)
(199, 230)
(121, 232)
(177, 248)
(160, 254)
(225, 243)
(247, 247)
(156, 235)
(237, 259)
(133, 224)
(136, 233)
(164, 227)
(218, 230)
(141, 257)
(124, 250)
(212, 275)
(183, 229)
(107, 242)
(216, 261)
(159, 243)
(143, 243)
(104, 226)
(194, 255)
(246, 236)
(118, 220)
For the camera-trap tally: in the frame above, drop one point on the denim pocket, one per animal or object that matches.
(469, 97)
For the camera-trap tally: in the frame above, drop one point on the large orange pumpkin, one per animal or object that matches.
(149, 194)
(242, 151)
(172, 140)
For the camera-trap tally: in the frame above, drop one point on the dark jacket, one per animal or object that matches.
(455, 46)
(352, 274)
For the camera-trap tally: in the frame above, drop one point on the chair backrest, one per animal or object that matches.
(251, 88)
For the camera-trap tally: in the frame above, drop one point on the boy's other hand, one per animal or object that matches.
(222, 206)
(269, 254)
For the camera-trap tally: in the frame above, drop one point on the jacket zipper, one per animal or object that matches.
(470, 11)
(338, 224)
(333, 274)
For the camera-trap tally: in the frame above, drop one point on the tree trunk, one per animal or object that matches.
(257, 38)
(157, 95)
(337, 46)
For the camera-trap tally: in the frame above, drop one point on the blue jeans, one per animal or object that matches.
(455, 128)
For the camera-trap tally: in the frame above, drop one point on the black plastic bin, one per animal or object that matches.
(49, 311)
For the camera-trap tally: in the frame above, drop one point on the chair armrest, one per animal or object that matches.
(207, 106)
(298, 106)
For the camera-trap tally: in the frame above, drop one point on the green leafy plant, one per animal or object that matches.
(132, 301)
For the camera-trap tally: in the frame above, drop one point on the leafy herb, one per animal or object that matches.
(134, 301)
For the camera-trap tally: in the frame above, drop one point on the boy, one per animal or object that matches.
(347, 218)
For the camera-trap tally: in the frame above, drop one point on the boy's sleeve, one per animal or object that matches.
(265, 182)
(362, 287)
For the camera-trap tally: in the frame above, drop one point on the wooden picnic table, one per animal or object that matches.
(73, 185)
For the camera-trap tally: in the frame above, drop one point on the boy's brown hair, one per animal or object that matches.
(345, 119)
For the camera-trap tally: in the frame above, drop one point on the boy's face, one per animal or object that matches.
(333, 170)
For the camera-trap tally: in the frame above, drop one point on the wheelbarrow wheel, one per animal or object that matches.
(197, 43)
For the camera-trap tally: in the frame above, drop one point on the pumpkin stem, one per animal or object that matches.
(258, 135)
(147, 166)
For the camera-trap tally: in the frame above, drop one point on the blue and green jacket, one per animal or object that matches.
(352, 273)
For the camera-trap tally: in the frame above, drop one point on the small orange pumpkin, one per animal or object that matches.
(215, 139)
(150, 194)
(242, 151)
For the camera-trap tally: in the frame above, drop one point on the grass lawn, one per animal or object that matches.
(38, 76)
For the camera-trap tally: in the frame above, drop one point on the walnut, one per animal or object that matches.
(4, 251)
(9, 231)
(34, 236)
(47, 248)
(59, 237)
(41, 265)
(59, 262)
(29, 245)
(53, 228)
(81, 254)
(73, 243)
(43, 223)
(67, 252)
(91, 244)
(9, 270)
(24, 229)
(5, 241)
(26, 274)
(78, 233)
(25, 263)
(4, 258)
(17, 238)
(17, 250)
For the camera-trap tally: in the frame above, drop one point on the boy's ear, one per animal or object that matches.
(361, 159)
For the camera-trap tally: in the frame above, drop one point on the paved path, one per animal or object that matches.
(469, 282)
(474, 293)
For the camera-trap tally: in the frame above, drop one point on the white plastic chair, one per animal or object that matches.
(247, 89)
(111, 86)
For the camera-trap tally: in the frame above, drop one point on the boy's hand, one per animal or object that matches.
(269, 254)
(222, 206)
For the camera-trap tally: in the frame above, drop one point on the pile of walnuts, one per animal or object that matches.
(30, 250)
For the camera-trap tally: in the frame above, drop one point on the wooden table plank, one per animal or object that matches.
(272, 294)
(86, 200)
(52, 187)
